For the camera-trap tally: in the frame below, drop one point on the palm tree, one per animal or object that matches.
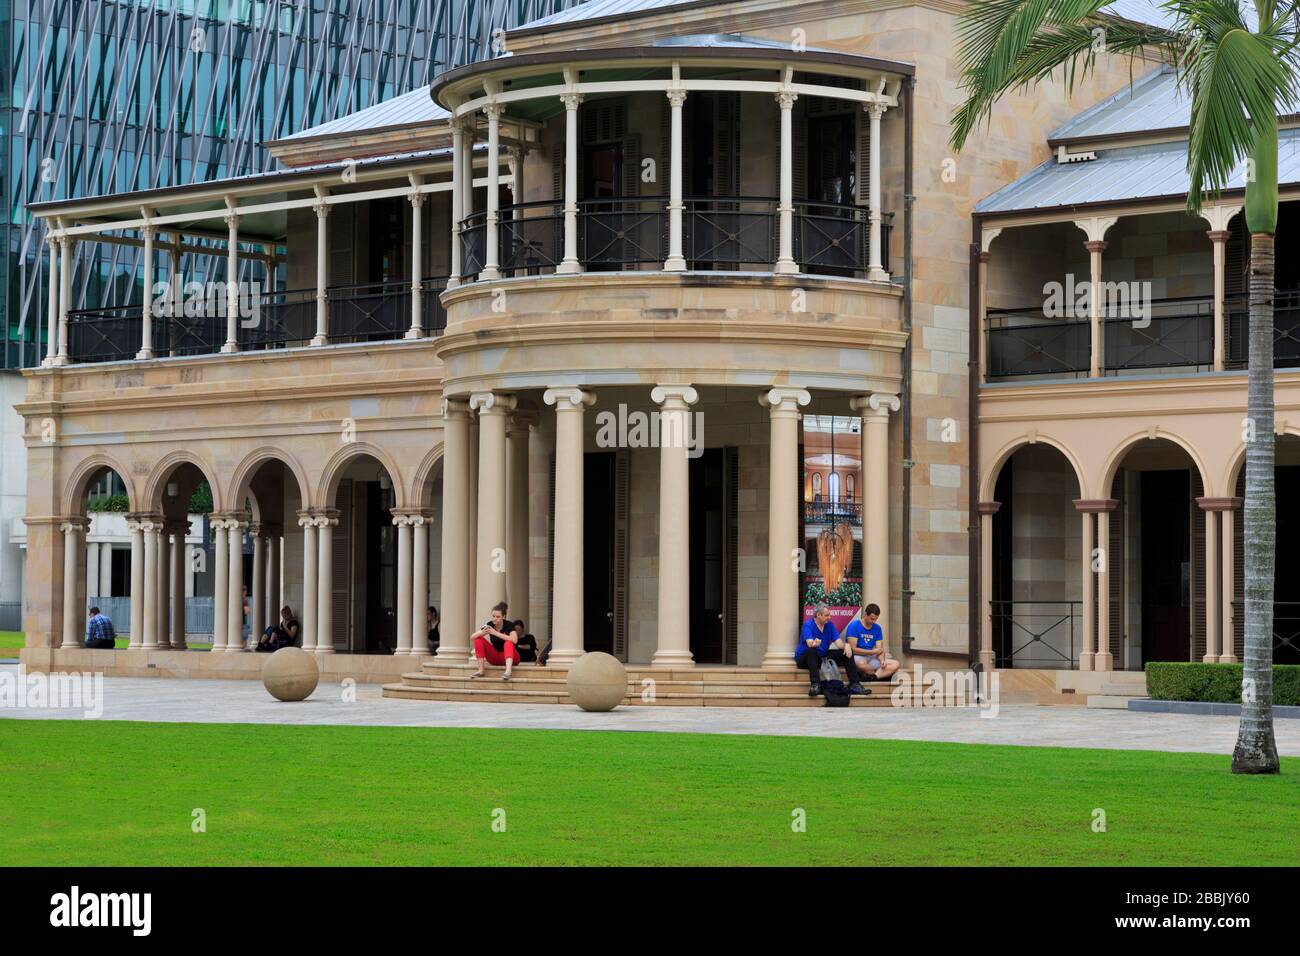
(1239, 71)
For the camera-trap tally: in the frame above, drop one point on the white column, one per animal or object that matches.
(66, 244)
(675, 261)
(1228, 647)
(492, 555)
(232, 283)
(177, 282)
(570, 262)
(176, 581)
(988, 658)
(92, 568)
(517, 515)
(322, 335)
(491, 261)
(1086, 655)
(1103, 659)
(235, 584)
(52, 307)
(674, 618)
(310, 580)
(455, 622)
(325, 523)
(783, 501)
(270, 586)
(220, 582)
(416, 330)
(72, 610)
(875, 260)
(105, 569)
(785, 210)
(150, 528)
(257, 588)
(146, 312)
(136, 526)
(875, 409)
(457, 190)
(567, 634)
(404, 607)
(1213, 587)
(419, 583)
(164, 586)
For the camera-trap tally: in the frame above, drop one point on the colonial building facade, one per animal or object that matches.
(660, 326)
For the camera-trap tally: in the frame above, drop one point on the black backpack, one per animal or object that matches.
(836, 693)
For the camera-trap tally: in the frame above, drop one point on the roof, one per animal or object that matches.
(410, 109)
(1156, 171)
(1152, 102)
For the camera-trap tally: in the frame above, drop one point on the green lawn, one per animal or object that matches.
(96, 793)
(16, 639)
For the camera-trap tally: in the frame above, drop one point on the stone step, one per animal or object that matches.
(731, 674)
(507, 694)
(1109, 701)
(1138, 689)
(706, 684)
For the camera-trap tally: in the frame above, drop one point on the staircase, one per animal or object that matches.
(700, 686)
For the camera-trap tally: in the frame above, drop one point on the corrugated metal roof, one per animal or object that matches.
(1130, 173)
(416, 106)
(1151, 102)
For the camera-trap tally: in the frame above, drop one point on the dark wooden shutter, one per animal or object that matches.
(726, 144)
(730, 552)
(663, 175)
(622, 473)
(341, 232)
(1115, 565)
(862, 174)
(799, 149)
(341, 583)
(631, 185)
(1198, 569)
(557, 170)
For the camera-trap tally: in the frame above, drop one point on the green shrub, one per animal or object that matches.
(201, 500)
(1216, 683)
(118, 503)
(848, 594)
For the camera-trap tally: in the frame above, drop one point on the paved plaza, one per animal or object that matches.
(223, 701)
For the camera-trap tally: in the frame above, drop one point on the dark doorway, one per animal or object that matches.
(1286, 577)
(1001, 590)
(598, 556)
(713, 556)
(1166, 566)
(381, 572)
(388, 258)
(832, 159)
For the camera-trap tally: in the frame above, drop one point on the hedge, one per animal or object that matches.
(1216, 683)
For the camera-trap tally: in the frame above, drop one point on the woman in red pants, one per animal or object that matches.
(494, 643)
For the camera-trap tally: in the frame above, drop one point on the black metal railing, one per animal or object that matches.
(1027, 342)
(473, 242)
(1163, 333)
(1286, 630)
(532, 238)
(279, 320)
(729, 233)
(616, 232)
(832, 512)
(433, 316)
(1035, 633)
(1286, 329)
(369, 312)
(836, 238)
(106, 334)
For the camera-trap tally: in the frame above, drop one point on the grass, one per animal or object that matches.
(123, 793)
(16, 640)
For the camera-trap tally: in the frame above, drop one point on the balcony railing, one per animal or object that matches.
(832, 512)
(718, 233)
(1286, 330)
(369, 312)
(1026, 342)
(1173, 333)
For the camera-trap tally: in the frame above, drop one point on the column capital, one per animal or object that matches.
(876, 405)
(231, 219)
(494, 109)
(1095, 505)
(521, 420)
(985, 257)
(989, 507)
(1096, 245)
(306, 519)
(142, 520)
(74, 523)
(784, 398)
(455, 408)
(571, 101)
(325, 517)
(492, 403)
(66, 242)
(416, 198)
(1219, 504)
(674, 396)
(52, 239)
(786, 98)
(567, 399)
(875, 109)
(413, 516)
(676, 98)
(321, 207)
(1218, 235)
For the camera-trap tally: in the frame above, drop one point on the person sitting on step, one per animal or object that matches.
(819, 641)
(526, 643)
(867, 641)
(495, 643)
(283, 633)
(99, 631)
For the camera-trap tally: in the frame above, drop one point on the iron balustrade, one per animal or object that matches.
(833, 512)
(1026, 342)
(1027, 633)
(1175, 332)
(106, 334)
(836, 238)
(1286, 329)
(369, 312)
(281, 319)
(473, 242)
(532, 238)
(729, 233)
(615, 232)
(433, 316)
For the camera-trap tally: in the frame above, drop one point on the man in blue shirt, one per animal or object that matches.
(99, 631)
(866, 640)
(818, 641)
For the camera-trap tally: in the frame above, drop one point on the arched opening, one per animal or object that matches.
(102, 556)
(181, 499)
(1037, 586)
(361, 580)
(428, 494)
(272, 547)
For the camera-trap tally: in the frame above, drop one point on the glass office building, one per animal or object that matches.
(116, 95)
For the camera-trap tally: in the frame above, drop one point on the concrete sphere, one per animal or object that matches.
(290, 674)
(597, 682)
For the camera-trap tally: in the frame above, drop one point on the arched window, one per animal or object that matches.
(848, 488)
(835, 486)
(817, 486)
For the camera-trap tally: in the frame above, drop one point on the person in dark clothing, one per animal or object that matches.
(431, 622)
(284, 633)
(526, 643)
(819, 641)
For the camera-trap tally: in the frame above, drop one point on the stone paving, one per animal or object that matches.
(224, 702)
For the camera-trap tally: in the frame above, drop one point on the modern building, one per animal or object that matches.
(656, 325)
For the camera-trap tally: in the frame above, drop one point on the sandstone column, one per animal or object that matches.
(402, 522)
(310, 577)
(73, 529)
(220, 582)
(1104, 660)
(135, 524)
(257, 589)
(235, 583)
(674, 616)
(987, 509)
(455, 622)
(151, 606)
(493, 558)
(567, 635)
(783, 523)
(164, 585)
(326, 519)
(517, 517)
(420, 582)
(105, 570)
(875, 409)
(1089, 586)
(1228, 647)
(271, 587)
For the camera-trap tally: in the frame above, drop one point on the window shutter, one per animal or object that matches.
(1198, 569)
(799, 149)
(726, 144)
(622, 472)
(1115, 564)
(730, 552)
(341, 233)
(863, 172)
(631, 185)
(557, 171)
(663, 175)
(341, 585)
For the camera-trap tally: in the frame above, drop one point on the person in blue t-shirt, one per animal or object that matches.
(867, 641)
(818, 641)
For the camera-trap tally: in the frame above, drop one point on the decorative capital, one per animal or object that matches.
(1096, 245)
(571, 100)
(74, 524)
(416, 198)
(875, 110)
(676, 98)
(567, 399)
(989, 507)
(231, 219)
(1218, 235)
(877, 404)
(454, 408)
(784, 398)
(493, 109)
(786, 99)
(1095, 505)
(322, 208)
(674, 396)
(492, 403)
(1219, 504)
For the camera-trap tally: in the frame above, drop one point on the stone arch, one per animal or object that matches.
(1154, 433)
(429, 469)
(1238, 460)
(328, 485)
(74, 489)
(990, 479)
(162, 471)
(242, 480)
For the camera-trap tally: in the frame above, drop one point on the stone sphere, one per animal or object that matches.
(597, 682)
(290, 674)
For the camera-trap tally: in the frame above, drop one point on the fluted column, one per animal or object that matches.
(875, 409)
(783, 569)
(493, 558)
(517, 434)
(310, 578)
(675, 262)
(674, 616)
(135, 525)
(785, 244)
(988, 658)
(74, 530)
(402, 521)
(235, 526)
(455, 622)
(568, 624)
(570, 262)
(326, 519)
(419, 581)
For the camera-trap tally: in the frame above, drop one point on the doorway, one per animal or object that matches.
(713, 547)
(1166, 566)
(598, 553)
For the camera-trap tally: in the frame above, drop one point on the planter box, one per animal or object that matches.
(1204, 709)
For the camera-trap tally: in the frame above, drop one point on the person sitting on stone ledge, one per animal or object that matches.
(867, 641)
(526, 643)
(283, 633)
(99, 631)
(495, 644)
(819, 641)
(431, 623)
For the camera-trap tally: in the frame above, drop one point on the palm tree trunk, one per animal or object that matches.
(1256, 751)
